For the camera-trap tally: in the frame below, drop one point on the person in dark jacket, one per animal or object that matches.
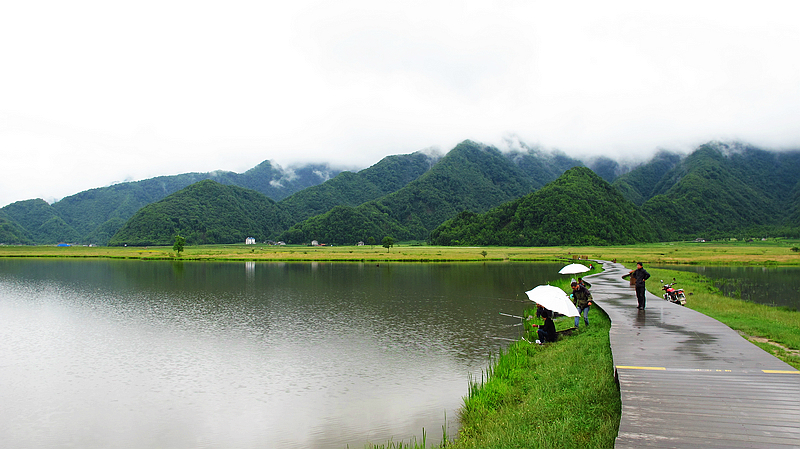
(582, 300)
(541, 312)
(639, 275)
(547, 331)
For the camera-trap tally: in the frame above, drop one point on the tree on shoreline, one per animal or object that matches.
(387, 242)
(179, 243)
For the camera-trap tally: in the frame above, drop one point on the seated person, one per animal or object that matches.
(541, 312)
(546, 331)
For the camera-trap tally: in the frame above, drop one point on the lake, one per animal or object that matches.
(135, 354)
(775, 286)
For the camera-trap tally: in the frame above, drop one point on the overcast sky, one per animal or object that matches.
(93, 93)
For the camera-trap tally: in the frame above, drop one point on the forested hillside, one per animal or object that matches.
(345, 225)
(726, 188)
(719, 190)
(40, 221)
(11, 233)
(471, 176)
(641, 183)
(94, 215)
(579, 208)
(205, 212)
(352, 189)
(541, 167)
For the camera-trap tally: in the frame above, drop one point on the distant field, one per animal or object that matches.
(769, 252)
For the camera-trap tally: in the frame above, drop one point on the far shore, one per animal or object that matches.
(758, 252)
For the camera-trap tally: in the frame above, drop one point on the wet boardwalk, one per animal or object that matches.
(689, 381)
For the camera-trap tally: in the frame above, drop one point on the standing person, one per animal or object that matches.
(582, 300)
(639, 275)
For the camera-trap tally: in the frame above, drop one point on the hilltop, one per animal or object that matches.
(475, 194)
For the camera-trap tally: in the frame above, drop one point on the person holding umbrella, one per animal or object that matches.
(582, 300)
(553, 299)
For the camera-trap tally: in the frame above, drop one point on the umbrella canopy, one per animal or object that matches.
(552, 298)
(574, 268)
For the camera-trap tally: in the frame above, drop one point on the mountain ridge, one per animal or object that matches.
(718, 189)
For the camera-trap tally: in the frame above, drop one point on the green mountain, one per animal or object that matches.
(11, 233)
(95, 215)
(794, 208)
(471, 176)
(641, 183)
(541, 167)
(41, 221)
(722, 189)
(346, 225)
(206, 212)
(579, 208)
(352, 189)
(718, 190)
(607, 168)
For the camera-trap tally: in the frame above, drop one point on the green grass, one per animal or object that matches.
(558, 395)
(563, 395)
(770, 252)
(780, 325)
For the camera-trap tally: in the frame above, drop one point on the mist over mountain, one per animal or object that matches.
(352, 189)
(724, 188)
(471, 176)
(94, 216)
(720, 189)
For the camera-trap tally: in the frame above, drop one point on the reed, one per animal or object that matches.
(413, 444)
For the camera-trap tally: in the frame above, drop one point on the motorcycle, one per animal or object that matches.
(672, 294)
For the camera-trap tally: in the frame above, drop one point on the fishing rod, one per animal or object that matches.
(502, 338)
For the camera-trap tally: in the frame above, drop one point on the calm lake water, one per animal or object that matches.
(775, 286)
(131, 354)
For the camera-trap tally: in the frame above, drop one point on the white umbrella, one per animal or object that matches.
(552, 298)
(574, 268)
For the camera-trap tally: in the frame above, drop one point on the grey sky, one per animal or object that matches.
(93, 93)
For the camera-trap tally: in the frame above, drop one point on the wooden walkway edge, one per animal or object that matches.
(688, 381)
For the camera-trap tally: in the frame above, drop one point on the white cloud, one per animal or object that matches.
(96, 92)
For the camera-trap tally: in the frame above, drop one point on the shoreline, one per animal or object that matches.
(776, 252)
(507, 397)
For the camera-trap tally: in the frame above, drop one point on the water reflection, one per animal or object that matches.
(162, 354)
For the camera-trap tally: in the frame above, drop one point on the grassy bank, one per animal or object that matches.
(560, 395)
(774, 329)
(564, 395)
(770, 252)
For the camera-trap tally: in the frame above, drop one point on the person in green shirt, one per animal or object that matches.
(582, 300)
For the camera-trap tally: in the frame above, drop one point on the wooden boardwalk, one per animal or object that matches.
(689, 381)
